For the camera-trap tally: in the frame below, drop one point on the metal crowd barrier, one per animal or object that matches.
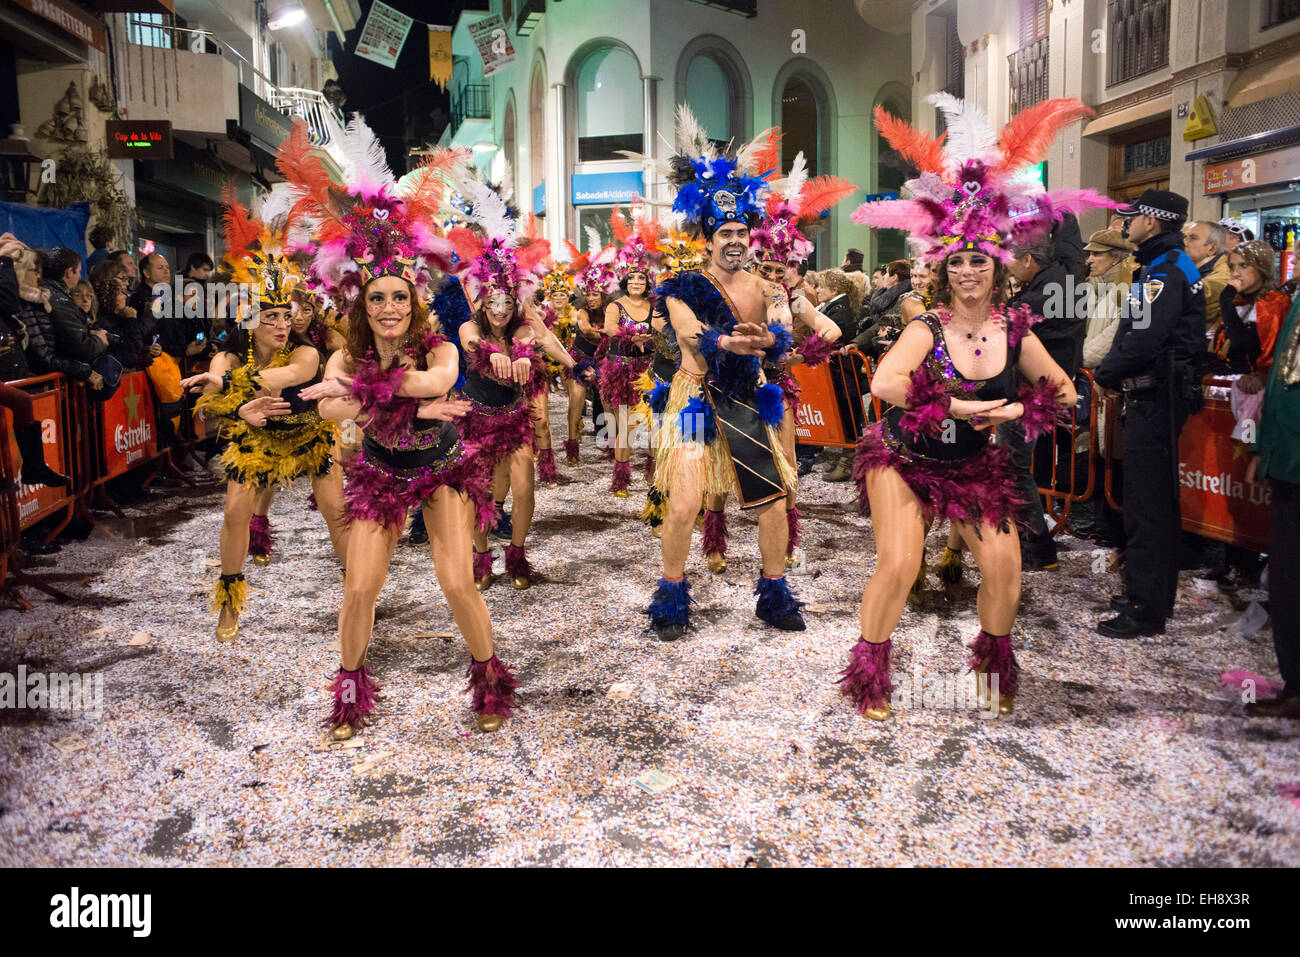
(93, 442)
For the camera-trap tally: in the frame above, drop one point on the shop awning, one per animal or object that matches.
(1131, 116)
(1263, 80)
(1247, 144)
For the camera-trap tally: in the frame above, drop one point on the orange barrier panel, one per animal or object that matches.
(128, 430)
(1053, 495)
(1215, 498)
(820, 420)
(36, 502)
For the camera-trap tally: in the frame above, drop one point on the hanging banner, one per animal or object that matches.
(129, 434)
(440, 56)
(383, 35)
(489, 35)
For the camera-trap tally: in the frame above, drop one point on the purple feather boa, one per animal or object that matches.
(371, 495)
(354, 694)
(792, 517)
(715, 532)
(616, 378)
(866, 680)
(546, 470)
(977, 489)
(1018, 320)
(497, 436)
(259, 535)
(927, 404)
(482, 564)
(538, 377)
(1043, 410)
(622, 477)
(998, 659)
(390, 416)
(517, 565)
(815, 350)
(492, 684)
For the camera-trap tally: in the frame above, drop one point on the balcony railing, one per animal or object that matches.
(324, 121)
(1028, 67)
(1138, 31)
(469, 101)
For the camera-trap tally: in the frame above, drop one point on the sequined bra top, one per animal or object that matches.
(627, 325)
(964, 439)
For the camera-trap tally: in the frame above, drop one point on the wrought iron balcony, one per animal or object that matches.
(469, 101)
(1028, 68)
(1138, 38)
(530, 14)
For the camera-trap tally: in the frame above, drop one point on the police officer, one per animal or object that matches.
(1155, 361)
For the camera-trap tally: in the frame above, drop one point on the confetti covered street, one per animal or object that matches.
(1119, 753)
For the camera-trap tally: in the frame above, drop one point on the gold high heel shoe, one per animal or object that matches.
(488, 722)
(1006, 704)
(879, 714)
(520, 582)
(621, 494)
(484, 583)
(229, 633)
(261, 561)
(343, 732)
(717, 564)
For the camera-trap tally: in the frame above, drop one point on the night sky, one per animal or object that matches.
(402, 106)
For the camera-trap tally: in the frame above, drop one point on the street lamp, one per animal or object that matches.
(287, 17)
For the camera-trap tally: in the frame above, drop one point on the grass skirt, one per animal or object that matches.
(265, 457)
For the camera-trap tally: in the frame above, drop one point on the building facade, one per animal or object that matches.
(221, 77)
(590, 79)
(1198, 96)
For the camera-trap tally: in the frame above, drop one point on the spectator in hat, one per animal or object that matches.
(1236, 233)
(1206, 243)
(1110, 271)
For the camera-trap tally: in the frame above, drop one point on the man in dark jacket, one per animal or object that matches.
(43, 349)
(1044, 288)
(882, 322)
(1155, 361)
(73, 337)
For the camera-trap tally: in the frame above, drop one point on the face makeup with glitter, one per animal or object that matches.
(388, 307)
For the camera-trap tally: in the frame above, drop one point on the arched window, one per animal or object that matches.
(799, 124)
(805, 110)
(536, 126)
(709, 93)
(510, 139)
(609, 114)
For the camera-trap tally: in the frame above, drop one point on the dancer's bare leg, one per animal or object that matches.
(522, 481)
(449, 517)
(328, 489)
(899, 527)
(998, 556)
(240, 501)
(679, 522)
(773, 532)
(370, 550)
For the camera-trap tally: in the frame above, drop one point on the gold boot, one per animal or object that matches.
(342, 732)
(488, 722)
(717, 563)
(879, 714)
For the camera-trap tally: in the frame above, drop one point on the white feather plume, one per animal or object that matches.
(795, 179)
(369, 162)
(970, 135)
(691, 138)
(930, 186)
(277, 204)
(593, 240)
(746, 154)
(489, 209)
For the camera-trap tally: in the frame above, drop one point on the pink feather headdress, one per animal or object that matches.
(501, 259)
(793, 204)
(594, 269)
(974, 191)
(367, 228)
(637, 244)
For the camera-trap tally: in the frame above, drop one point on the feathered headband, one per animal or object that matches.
(557, 279)
(974, 192)
(255, 253)
(713, 188)
(793, 205)
(367, 228)
(593, 271)
(501, 260)
(637, 246)
(682, 253)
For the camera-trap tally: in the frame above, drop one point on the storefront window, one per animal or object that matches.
(709, 94)
(609, 105)
(597, 216)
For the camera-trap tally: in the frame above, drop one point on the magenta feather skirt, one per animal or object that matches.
(978, 489)
(497, 433)
(617, 378)
(373, 494)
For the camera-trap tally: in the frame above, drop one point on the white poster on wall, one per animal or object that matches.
(383, 35)
(489, 35)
